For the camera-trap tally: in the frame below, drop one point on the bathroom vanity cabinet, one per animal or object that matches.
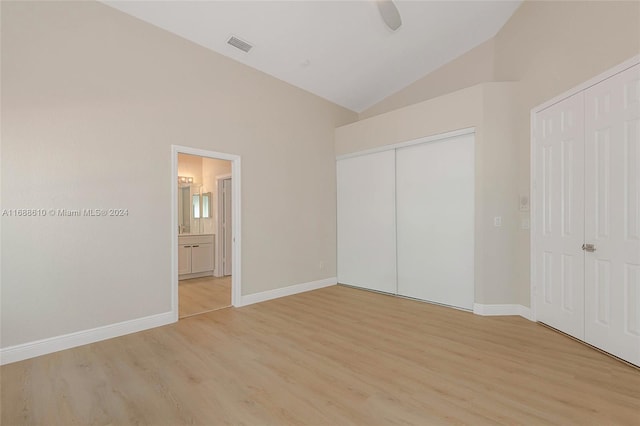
(195, 256)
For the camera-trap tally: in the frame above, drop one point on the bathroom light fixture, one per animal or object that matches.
(185, 179)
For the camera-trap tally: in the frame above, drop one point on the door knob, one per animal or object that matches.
(589, 247)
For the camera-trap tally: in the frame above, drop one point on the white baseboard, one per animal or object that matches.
(67, 341)
(250, 299)
(53, 344)
(526, 313)
(502, 309)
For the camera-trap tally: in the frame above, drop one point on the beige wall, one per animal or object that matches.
(474, 67)
(499, 197)
(547, 47)
(550, 47)
(92, 100)
(453, 111)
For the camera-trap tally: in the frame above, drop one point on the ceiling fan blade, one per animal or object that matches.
(390, 14)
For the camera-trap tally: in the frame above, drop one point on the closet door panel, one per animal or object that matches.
(435, 221)
(612, 215)
(559, 215)
(366, 221)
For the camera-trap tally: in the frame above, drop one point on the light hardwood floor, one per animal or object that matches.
(335, 356)
(199, 295)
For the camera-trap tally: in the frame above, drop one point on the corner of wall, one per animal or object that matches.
(473, 67)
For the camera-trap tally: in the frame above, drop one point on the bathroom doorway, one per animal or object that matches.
(204, 206)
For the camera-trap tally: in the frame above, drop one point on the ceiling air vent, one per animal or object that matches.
(240, 44)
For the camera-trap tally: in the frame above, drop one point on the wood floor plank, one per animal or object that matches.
(199, 295)
(335, 356)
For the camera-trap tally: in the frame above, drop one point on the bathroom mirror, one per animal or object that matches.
(196, 206)
(184, 211)
(201, 205)
(193, 205)
(206, 205)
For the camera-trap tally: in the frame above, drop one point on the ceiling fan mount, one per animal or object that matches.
(389, 13)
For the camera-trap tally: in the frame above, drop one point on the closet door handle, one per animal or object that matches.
(589, 247)
(195, 246)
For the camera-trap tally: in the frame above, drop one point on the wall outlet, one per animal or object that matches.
(525, 224)
(320, 266)
(497, 221)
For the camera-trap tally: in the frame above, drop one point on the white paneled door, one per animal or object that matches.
(612, 215)
(586, 231)
(366, 221)
(559, 209)
(435, 221)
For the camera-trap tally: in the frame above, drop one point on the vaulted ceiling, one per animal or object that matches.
(339, 50)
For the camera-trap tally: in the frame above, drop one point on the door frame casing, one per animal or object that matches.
(236, 278)
(219, 270)
(532, 164)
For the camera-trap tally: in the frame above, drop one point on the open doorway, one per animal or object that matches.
(204, 245)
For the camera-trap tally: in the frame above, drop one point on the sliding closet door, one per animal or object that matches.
(435, 221)
(612, 215)
(366, 221)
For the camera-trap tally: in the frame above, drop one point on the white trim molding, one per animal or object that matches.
(67, 341)
(218, 272)
(432, 138)
(250, 299)
(635, 60)
(236, 228)
(501, 310)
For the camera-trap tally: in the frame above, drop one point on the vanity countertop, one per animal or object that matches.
(188, 239)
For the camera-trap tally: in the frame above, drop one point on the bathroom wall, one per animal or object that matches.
(190, 166)
(211, 169)
(204, 172)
